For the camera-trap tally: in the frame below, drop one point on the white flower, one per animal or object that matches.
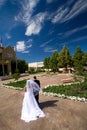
(51, 94)
(83, 99)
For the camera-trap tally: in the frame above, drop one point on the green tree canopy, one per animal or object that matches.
(64, 58)
(84, 59)
(54, 61)
(47, 61)
(22, 66)
(77, 57)
(78, 60)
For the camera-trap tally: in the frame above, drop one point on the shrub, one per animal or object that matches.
(16, 76)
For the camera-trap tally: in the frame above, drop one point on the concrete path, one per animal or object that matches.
(61, 114)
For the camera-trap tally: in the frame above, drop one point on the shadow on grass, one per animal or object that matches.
(48, 104)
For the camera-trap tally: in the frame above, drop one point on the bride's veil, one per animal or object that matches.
(31, 85)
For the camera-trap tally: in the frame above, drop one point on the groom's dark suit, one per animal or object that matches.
(38, 82)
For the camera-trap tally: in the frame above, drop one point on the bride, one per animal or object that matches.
(30, 109)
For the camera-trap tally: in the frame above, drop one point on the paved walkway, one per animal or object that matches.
(45, 79)
(61, 114)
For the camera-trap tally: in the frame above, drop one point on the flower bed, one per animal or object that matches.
(71, 91)
(76, 91)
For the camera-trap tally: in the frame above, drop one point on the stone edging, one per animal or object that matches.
(63, 95)
(51, 94)
(16, 88)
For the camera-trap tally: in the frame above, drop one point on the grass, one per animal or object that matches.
(78, 90)
(17, 84)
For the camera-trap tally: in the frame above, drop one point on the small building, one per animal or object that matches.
(7, 55)
(69, 70)
(36, 65)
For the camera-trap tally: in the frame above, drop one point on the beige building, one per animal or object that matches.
(36, 65)
(7, 54)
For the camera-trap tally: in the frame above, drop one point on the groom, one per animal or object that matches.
(38, 82)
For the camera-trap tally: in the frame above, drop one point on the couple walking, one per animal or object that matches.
(30, 106)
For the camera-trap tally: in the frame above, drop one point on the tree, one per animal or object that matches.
(84, 59)
(84, 62)
(47, 63)
(64, 58)
(78, 60)
(54, 61)
(32, 70)
(22, 66)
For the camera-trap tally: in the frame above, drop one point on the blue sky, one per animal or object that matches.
(36, 28)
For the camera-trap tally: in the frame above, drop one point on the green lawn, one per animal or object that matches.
(78, 90)
(18, 84)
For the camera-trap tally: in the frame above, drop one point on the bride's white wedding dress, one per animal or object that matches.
(30, 109)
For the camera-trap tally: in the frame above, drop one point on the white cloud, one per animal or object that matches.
(2, 2)
(35, 24)
(66, 12)
(78, 8)
(50, 1)
(27, 9)
(45, 43)
(29, 46)
(51, 32)
(74, 40)
(59, 15)
(30, 41)
(79, 39)
(20, 46)
(49, 49)
(7, 36)
(75, 30)
(25, 52)
(15, 18)
(69, 2)
(33, 28)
